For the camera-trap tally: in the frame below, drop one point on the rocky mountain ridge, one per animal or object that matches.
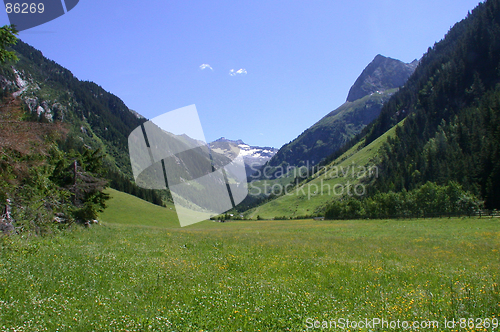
(376, 84)
(382, 74)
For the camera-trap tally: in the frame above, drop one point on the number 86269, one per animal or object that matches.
(24, 8)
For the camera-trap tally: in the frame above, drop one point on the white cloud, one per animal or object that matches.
(206, 66)
(241, 71)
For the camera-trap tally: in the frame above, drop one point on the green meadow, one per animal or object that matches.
(138, 271)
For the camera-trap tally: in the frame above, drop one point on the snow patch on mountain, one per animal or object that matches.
(253, 156)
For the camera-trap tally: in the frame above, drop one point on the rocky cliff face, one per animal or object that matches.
(380, 75)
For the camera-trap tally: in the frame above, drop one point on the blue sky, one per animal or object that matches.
(292, 62)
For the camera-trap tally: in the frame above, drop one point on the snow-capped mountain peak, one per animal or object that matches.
(253, 156)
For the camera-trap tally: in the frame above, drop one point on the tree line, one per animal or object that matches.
(428, 200)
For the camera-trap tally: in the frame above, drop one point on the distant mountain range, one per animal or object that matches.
(254, 156)
(376, 84)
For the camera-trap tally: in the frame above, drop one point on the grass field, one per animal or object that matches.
(247, 275)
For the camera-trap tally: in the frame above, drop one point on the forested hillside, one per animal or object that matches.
(453, 132)
(42, 185)
(93, 118)
(51, 93)
(62, 142)
(452, 106)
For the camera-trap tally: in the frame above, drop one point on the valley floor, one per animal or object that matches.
(251, 275)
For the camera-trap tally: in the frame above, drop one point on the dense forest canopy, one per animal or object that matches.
(451, 105)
